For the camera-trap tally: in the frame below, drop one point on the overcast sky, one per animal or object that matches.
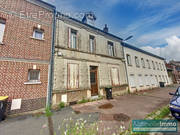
(155, 24)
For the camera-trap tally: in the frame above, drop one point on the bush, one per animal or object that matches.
(61, 105)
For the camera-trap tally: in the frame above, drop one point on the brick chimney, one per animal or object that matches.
(106, 29)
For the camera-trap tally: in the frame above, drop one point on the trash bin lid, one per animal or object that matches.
(3, 98)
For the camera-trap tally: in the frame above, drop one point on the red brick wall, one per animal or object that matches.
(13, 75)
(18, 45)
(18, 42)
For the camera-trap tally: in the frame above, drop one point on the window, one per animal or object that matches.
(115, 76)
(132, 80)
(110, 48)
(73, 76)
(149, 66)
(140, 80)
(92, 43)
(157, 65)
(160, 66)
(38, 34)
(34, 75)
(153, 65)
(142, 62)
(137, 61)
(73, 39)
(128, 59)
(2, 28)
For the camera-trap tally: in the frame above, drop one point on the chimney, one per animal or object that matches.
(106, 29)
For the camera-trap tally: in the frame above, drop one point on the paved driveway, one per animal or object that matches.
(135, 106)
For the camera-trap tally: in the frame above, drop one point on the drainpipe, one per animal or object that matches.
(125, 65)
(51, 66)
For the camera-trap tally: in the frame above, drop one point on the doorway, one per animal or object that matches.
(94, 80)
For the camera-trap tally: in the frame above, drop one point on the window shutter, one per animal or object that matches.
(78, 42)
(69, 37)
(94, 44)
(115, 53)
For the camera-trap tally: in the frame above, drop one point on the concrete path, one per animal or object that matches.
(135, 106)
(125, 108)
(37, 125)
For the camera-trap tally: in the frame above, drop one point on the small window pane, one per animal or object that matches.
(34, 75)
(39, 34)
(92, 44)
(111, 48)
(73, 39)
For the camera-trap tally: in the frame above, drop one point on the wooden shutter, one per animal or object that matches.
(73, 76)
(78, 41)
(69, 37)
(115, 76)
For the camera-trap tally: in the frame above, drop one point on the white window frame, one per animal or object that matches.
(92, 44)
(129, 62)
(111, 49)
(73, 38)
(2, 29)
(39, 31)
(137, 61)
(143, 62)
(29, 75)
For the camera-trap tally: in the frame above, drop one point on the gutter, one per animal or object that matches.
(51, 66)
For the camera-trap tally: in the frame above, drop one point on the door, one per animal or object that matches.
(94, 80)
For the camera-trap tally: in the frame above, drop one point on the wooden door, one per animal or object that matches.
(94, 80)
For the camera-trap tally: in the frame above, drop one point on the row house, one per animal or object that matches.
(87, 60)
(26, 28)
(144, 70)
(174, 71)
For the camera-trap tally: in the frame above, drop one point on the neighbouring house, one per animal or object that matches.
(86, 61)
(26, 28)
(145, 70)
(175, 66)
(171, 75)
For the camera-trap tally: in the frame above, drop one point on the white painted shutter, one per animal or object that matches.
(115, 76)
(73, 76)
(132, 81)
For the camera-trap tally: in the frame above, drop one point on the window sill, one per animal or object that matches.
(37, 39)
(32, 83)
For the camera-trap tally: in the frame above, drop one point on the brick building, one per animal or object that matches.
(26, 28)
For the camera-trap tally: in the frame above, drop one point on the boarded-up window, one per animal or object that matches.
(73, 76)
(115, 76)
(140, 80)
(132, 80)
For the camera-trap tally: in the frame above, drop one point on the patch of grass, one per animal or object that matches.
(83, 101)
(159, 114)
(163, 113)
(61, 105)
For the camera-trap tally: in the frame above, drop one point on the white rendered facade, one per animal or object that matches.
(141, 72)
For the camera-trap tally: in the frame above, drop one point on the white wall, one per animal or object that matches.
(141, 78)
